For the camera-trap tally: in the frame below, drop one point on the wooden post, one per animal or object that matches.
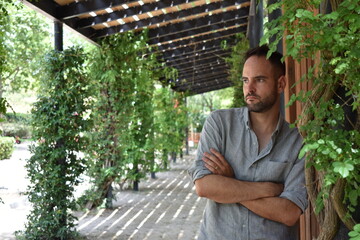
(58, 36)
(255, 22)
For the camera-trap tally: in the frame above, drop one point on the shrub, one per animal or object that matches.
(6, 147)
(22, 118)
(14, 129)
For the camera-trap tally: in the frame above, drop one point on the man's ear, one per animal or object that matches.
(281, 84)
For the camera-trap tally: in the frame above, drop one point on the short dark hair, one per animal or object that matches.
(275, 57)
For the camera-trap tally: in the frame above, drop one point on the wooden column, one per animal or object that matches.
(309, 227)
(58, 36)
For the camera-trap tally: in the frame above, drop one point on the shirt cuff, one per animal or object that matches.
(198, 170)
(298, 198)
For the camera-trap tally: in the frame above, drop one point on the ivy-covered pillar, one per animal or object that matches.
(58, 125)
(55, 165)
(324, 46)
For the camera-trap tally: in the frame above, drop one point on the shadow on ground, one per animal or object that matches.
(164, 208)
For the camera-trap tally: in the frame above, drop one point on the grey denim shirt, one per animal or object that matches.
(229, 131)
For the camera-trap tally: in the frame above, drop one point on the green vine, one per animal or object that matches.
(331, 138)
(59, 120)
(236, 63)
(355, 234)
(122, 146)
(170, 124)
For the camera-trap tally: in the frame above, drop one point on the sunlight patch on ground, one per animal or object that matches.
(92, 220)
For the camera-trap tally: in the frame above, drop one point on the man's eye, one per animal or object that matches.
(245, 80)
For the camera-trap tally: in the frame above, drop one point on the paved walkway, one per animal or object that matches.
(164, 208)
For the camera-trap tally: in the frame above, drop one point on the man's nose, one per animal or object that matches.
(251, 86)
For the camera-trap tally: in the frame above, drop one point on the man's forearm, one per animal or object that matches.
(229, 190)
(274, 208)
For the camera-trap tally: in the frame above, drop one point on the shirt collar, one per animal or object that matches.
(279, 125)
(248, 123)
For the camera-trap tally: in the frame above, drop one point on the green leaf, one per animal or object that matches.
(303, 151)
(343, 168)
(353, 196)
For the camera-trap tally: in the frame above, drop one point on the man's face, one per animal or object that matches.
(260, 87)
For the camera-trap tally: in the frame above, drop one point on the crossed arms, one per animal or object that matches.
(259, 197)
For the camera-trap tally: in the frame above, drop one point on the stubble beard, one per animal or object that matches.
(262, 105)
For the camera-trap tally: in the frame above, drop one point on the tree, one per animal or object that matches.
(200, 105)
(26, 41)
(331, 137)
(4, 14)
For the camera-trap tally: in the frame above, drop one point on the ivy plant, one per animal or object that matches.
(355, 234)
(331, 136)
(170, 124)
(59, 121)
(122, 147)
(236, 63)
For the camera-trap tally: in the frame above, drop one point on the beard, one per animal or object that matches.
(262, 105)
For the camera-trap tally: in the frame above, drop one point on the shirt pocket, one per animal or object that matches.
(273, 171)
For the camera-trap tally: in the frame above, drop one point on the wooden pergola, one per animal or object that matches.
(187, 33)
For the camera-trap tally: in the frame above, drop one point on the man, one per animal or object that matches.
(247, 162)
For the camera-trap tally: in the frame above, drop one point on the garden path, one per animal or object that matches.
(164, 208)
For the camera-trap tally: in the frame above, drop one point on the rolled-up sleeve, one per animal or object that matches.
(210, 137)
(294, 186)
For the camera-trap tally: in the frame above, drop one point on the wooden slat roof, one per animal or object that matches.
(188, 33)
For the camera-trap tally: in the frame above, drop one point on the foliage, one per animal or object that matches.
(16, 125)
(331, 39)
(6, 147)
(21, 118)
(236, 63)
(58, 125)
(4, 26)
(170, 123)
(26, 41)
(16, 130)
(200, 105)
(4, 55)
(121, 145)
(355, 234)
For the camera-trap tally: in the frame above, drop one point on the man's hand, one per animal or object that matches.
(217, 164)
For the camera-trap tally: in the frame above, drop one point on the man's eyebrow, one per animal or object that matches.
(261, 76)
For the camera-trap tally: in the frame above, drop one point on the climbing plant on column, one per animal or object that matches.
(170, 123)
(112, 68)
(123, 114)
(59, 119)
(140, 150)
(331, 138)
(236, 63)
